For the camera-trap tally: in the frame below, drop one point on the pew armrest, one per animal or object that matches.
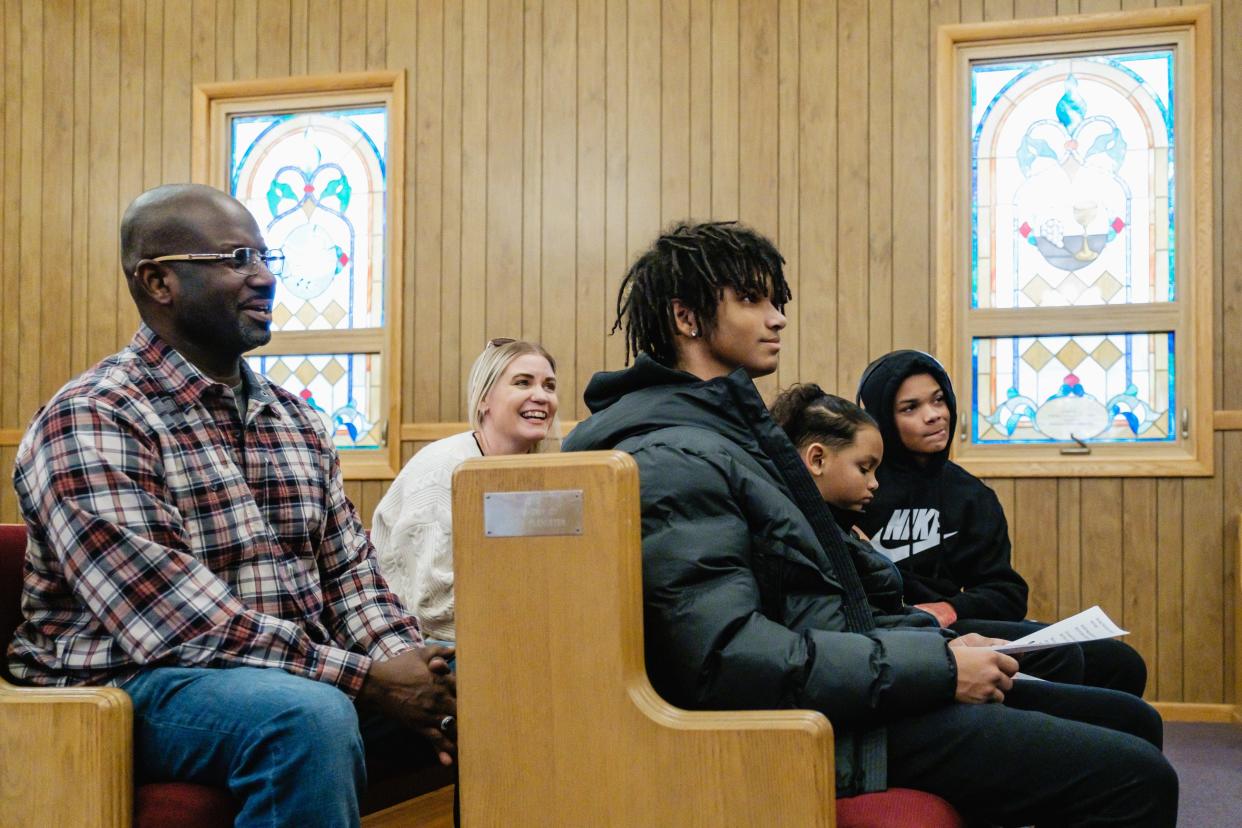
(68, 756)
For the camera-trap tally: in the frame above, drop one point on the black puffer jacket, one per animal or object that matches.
(752, 599)
(942, 525)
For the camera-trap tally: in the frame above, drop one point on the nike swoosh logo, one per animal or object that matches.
(894, 554)
(900, 553)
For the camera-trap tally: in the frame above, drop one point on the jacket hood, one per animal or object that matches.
(656, 396)
(877, 390)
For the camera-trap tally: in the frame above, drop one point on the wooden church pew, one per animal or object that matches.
(558, 723)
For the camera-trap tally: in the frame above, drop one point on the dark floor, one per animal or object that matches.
(1208, 759)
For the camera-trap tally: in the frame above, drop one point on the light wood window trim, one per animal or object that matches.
(1188, 28)
(212, 104)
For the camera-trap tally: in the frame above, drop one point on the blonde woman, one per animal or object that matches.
(511, 397)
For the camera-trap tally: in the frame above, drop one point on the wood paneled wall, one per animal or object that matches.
(548, 141)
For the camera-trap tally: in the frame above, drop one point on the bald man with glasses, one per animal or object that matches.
(191, 543)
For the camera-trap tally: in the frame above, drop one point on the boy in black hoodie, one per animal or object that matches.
(946, 531)
(752, 600)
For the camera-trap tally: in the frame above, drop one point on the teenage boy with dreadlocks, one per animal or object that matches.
(751, 597)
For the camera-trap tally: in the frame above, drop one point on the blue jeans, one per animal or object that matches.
(289, 748)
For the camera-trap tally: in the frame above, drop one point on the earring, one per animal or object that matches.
(694, 332)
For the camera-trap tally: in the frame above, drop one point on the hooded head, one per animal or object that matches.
(877, 393)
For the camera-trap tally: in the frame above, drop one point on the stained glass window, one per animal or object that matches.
(316, 181)
(1100, 387)
(1073, 181)
(344, 389)
(1074, 215)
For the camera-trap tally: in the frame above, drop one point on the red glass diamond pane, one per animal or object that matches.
(1025, 229)
(1118, 224)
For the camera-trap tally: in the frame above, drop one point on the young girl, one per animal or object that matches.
(839, 443)
(841, 446)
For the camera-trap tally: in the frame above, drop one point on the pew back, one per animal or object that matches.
(559, 724)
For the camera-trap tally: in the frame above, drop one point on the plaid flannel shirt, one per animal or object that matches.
(164, 532)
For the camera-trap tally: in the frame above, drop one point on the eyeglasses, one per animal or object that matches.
(245, 260)
(500, 340)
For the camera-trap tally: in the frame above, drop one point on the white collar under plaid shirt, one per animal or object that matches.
(163, 532)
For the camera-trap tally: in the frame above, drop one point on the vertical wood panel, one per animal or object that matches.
(474, 182)
(700, 115)
(1203, 587)
(879, 273)
(559, 190)
(1036, 525)
(80, 288)
(913, 73)
(323, 37)
(1004, 488)
(203, 40)
(57, 196)
(11, 410)
(299, 37)
(815, 307)
(530, 220)
(1069, 547)
(1034, 8)
(853, 231)
(31, 261)
(428, 106)
(377, 23)
(451, 346)
(1166, 672)
(354, 36)
(759, 98)
(725, 114)
(787, 237)
(1101, 544)
(245, 39)
(104, 163)
(176, 84)
(1231, 476)
(1228, 114)
(132, 151)
(225, 15)
(274, 39)
(153, 112)
(403, 29)
(504, 167)
(616, 104)
(642, 124)
(1140, 614)
(591, 229)
(675, 97)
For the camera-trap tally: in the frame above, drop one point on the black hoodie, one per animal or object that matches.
(943, 526)
(751, 597)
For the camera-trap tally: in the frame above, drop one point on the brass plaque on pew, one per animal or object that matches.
(530, 514)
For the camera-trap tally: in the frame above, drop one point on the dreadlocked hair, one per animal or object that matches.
(694, 263)
(809, 414)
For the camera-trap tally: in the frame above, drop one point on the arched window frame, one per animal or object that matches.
(1187, 31)
(213, 106)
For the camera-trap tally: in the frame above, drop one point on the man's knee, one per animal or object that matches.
(316, 713)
